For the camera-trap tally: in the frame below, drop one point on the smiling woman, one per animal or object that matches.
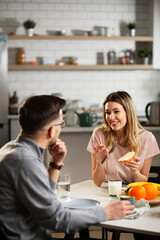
(115, 116)
(121, 125)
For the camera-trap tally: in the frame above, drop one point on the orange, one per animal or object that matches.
(151, 191)
(137, 191)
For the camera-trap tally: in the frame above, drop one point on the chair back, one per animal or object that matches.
(154, 174)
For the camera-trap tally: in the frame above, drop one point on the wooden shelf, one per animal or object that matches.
(28, 67)
(113, 38)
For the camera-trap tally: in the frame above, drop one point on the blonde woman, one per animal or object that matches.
(121, 125)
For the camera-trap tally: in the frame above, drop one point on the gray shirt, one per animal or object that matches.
(28, 204)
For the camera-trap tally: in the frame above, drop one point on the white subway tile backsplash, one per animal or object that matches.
(46, 7)
(3, 6)
(89, 86)
(40, 14)
(15, 6)
(62, 7)
(76, 7)
(9, 13)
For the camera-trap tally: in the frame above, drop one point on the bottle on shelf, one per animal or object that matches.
(111, 57)
(13, 103)
(14, 98)
(21, 56)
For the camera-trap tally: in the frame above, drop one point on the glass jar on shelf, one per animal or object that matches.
(21, 56)
(122, 57)
(111, 57)
(127, 56)
(132, 58)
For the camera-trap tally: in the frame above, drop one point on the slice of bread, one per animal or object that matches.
(127, 157)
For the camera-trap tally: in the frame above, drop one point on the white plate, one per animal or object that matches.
(79, 203)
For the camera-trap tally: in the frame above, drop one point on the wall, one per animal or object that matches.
(89, 86)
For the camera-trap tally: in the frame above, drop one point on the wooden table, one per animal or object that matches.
(148, 223)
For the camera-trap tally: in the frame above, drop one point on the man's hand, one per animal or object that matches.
(118, 210)
(58, 151)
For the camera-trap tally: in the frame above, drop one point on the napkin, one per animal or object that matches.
(141, 207)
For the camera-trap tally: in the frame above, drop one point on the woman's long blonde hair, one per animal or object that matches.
(130, 140)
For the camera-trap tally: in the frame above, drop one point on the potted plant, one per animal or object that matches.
(29, 25)
(146, 54)
(132, 28)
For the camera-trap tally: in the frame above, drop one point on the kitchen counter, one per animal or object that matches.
(77, 128)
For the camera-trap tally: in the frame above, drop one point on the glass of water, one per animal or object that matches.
(64, 182)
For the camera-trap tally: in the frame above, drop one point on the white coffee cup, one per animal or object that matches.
(114, 187)
(63, 187)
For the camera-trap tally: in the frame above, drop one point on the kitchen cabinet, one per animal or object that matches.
(28, 67)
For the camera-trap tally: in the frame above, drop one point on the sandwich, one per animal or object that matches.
(127, 157)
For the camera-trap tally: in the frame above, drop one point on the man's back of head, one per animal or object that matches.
(38, 111)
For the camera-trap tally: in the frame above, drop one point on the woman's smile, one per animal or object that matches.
(114, 124)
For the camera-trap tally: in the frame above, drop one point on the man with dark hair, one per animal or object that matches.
(28, 204)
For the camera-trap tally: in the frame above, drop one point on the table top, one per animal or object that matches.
(148, 223)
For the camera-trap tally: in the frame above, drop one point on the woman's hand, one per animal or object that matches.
(100, 152)
(134, 165)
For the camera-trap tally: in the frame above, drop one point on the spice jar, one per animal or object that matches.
(122, 57)
(111, 57)
(21, 56)
(128, 56)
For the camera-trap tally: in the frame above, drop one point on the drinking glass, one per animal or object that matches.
(64, 182)
(114, 187)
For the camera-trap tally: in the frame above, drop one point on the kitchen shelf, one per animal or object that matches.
(51, 67)
(112, 38)
(28, 67)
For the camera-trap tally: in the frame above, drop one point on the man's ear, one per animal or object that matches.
(51, 132)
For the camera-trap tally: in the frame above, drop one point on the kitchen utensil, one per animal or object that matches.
(154, 115)
(77, 32)
(92, 33)
(86, 119)
(61, 32)
(112, 149)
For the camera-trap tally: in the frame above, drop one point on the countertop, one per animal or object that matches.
(77, 128)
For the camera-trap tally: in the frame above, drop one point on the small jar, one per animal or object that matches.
(111, 57)
(122, 57)
(21, 56)
(132, 58)
(128, 55)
